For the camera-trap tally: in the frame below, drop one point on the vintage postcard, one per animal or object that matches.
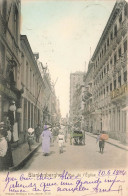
(64, 97)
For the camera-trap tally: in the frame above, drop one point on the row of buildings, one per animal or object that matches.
(104, 88)
(27, 95)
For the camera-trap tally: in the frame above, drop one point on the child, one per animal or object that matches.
(30, 138)
(101, 143)
(61, 141)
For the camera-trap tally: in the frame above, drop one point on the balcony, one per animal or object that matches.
(119, 36)
(114, 71)
(124, 27)
(107, 55)
(118, 65)
(119, 94)
(107, 101)
(110, 75)
(110, 49)
(2, 27)
(114, 44)
(87, 95)
(124, 60)
(105, 79)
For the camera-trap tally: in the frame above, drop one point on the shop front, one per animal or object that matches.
(10, 109)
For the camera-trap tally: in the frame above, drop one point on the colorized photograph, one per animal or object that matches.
(64, 97)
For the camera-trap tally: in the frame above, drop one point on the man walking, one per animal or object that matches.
(37, 133)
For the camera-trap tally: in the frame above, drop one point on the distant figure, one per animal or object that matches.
(3, 149)
(60, 140)
(37, 133)
(46, 138)
(30, 138)
(101, 142)
(9, 158)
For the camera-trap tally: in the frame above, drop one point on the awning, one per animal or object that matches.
(125, 109)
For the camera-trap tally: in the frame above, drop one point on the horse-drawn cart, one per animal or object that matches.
(77, 137)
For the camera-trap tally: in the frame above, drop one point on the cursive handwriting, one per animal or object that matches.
(102, 182)
(66, 176)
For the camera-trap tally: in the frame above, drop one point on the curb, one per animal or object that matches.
(22, 163)
(123, 148)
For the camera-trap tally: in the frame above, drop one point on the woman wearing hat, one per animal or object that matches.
(46, 138)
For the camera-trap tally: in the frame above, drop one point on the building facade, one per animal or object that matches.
(33, 85)
(87, 111)
(110, 76)
(76, 83)
(10, 66)
(24, 88)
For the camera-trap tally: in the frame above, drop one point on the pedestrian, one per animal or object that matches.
(54, 134)
(3, 149)
(101, 142)
(37, 132)
(46, 138)
(60, 140)
(9, 158)
(30, 138)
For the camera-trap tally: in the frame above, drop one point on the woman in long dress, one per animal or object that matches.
(46, 137)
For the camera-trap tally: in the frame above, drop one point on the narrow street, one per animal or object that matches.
(78, 157)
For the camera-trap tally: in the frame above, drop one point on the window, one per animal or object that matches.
(107, 88)
(125, 46)
(105, 48)
(119, 81)
(102, 74)
(115, 58)
(108, 41)
(110, 86)
(111, 62)
(120, 18)
(125, 76)
(2, 58)
(27, 74)
(125, 10)
(119, 52)
(114, 84)
(111, 35)
(115, 30)
(102, 52)
(107, 67)
(105, 70)
(16, 24)
(3, 7)
(104, 91)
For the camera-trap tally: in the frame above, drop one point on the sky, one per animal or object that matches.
(65, 33)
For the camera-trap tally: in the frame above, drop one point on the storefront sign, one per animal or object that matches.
(119, 91)
(7, 91)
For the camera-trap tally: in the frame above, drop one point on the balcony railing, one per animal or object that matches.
(105, 78)
(124, 60)
(114, 44)
(2, 26)
(119, 36)
(110, 49)
(124, 27)
(118, 65)
(119, 91)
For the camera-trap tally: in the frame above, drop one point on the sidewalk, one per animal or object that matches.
(21, 154)
(111, 141)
